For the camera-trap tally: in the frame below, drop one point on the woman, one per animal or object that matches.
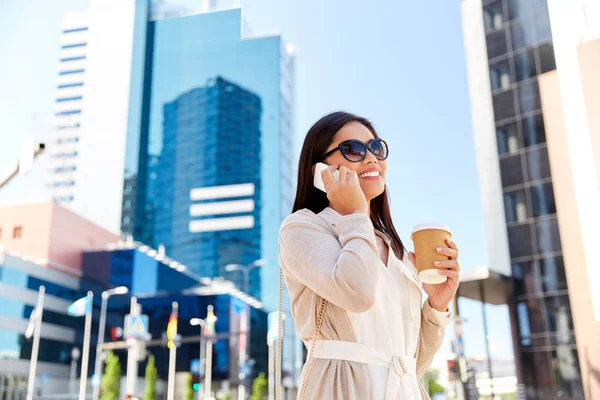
(342, 258)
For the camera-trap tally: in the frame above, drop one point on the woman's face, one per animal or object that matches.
(372, 186)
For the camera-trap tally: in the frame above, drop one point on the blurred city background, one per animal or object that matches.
(148, 155)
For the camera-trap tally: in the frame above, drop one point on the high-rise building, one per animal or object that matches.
(95, 71)
(208, 166)
(533, 74)
(211, 141)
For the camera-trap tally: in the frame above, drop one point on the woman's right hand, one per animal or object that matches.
(345, 195)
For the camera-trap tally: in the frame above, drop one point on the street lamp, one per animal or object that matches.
(200, 322)
(101, 325)
(246, 269)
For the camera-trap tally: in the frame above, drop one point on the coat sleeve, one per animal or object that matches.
(433, 327)
(342, 270)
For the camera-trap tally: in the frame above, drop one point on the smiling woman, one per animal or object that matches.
(356, 297)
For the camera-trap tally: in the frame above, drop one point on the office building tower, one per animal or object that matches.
(533, 74)
(87, 150)
(211, 142)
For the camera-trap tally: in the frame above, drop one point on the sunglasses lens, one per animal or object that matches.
(354, 150)
(379, 149)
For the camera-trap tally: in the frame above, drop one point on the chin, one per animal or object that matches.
(374, 192)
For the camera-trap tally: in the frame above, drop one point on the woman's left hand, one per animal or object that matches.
(441, 295)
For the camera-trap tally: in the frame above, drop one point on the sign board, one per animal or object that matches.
(195, 366)
(136, 326)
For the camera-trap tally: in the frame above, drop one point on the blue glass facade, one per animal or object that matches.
(214, 109)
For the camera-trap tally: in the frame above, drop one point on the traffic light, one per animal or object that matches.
(196, 382)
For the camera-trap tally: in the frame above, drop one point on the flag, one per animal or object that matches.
(209, 325)
(80, 307)
(33, 320)
(171, 330)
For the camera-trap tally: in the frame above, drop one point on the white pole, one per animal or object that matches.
(86, 348)
(172, 362)
(36, 344)
(132, 364)
(208, 379)
(101, 327)
(271, 371)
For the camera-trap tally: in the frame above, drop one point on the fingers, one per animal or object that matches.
(343, 174)
(451, 265)
(327, 175)
(453, 277)
(352, 176)
(452, 245)
(448, 252)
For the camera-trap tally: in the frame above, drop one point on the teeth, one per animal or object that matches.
(374, 173)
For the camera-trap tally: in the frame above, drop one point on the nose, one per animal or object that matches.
(370, 158)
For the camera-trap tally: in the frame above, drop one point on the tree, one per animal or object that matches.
(150, 390)
(259, 387)
(433, 387)
(111, 380)
(189, 392)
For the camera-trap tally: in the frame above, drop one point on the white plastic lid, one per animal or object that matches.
(431, 225)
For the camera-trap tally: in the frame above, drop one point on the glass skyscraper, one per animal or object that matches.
(208, 167)
(210, 138)
(510, 46)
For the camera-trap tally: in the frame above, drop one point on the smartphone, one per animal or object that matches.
(318, 181)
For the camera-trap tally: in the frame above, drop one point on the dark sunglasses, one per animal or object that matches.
(354, 150)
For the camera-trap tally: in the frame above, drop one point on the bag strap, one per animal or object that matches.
(320, 318)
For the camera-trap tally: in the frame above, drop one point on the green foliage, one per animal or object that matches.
(151, 376)
(433, 387)
(259, 387)
(110, 384)
(189, 389)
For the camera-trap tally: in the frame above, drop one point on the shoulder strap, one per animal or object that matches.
(320, 317)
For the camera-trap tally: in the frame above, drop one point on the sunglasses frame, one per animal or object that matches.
(367, 146)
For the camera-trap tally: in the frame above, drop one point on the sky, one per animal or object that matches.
(399, 63)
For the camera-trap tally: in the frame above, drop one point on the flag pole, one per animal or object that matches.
(172, 358)
(36, 343)
(86, 347)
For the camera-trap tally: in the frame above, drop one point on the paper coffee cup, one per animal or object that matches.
(427, 238)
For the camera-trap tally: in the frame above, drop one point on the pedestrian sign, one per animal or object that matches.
(137, 326)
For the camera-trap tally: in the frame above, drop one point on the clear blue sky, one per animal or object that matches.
(399, 63)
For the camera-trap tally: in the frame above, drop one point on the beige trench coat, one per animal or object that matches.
(378, 308)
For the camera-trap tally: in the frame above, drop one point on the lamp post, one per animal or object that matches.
(246, 269)
(200, 322)
(101, 326)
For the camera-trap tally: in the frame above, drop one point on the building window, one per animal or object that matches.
(521, 34)
(552, 270)
(543, 32)
(525, 65)
(542, 199)
(66, 59)
(500, 75)
(533, 130)
(511, 171)
(496, 43)
(73, 30)
(492, 16)
(70, 85)
(17, 232)
(548, 236)
(508, 139)
(72, 46)
(71, 71)
(504, 105)
(520, 243)
(526, 277)
(529, 97)
(518, 8)
(515, 206)
(546, 56)
(63, 99)
(538, 164)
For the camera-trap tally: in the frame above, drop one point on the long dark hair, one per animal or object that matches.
(317, 140)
